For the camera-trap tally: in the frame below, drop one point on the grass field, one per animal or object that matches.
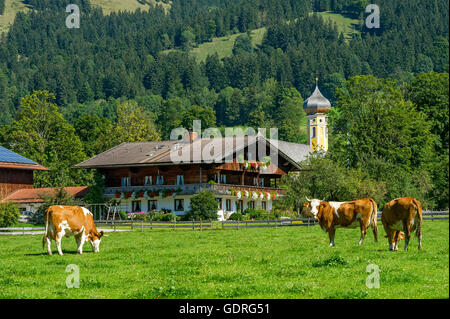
(11, 8)
(290, 262)
(223, 46)
(109, 6)
(345, 25)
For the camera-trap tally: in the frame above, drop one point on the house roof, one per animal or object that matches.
(216, 149)
(9, 159)
(34, 195)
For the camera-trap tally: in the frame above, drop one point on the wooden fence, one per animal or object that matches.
(200, 225)
(174, 225)
(20, 230)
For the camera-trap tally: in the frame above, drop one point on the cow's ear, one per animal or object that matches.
(100, 234)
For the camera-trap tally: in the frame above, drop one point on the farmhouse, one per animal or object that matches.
(242, 171)
(145, 177)
(16, 172)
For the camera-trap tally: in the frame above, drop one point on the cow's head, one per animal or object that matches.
(314, 205)
(95, 238)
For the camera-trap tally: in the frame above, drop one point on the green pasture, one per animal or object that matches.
(282, 262)
(344, 24)
(11, 8)
(223, 46)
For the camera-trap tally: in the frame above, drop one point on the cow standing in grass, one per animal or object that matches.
(332, 215)
(402, 214)
(69, 221)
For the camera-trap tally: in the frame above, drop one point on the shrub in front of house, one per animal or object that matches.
(123, 215)
(236, 216)
(9, 214)
(164, 215)
(256, 214)
(203, 207)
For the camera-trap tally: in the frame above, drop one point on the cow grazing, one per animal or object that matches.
(402, 214)
(69, 221)
(332, 215)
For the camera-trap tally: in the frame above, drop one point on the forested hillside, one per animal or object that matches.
(142, 65)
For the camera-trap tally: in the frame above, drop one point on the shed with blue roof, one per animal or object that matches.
(16, 171)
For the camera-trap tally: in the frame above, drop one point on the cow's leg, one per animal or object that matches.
(80, 243)
(396, 239)
(58, 239)
(407, 235)
(363, 234)
(419, 236)
(390, 238)
(49, 246)
(79, 246)
(331, 233)
(363, 227)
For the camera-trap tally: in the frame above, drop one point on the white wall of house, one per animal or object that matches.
(30, 207)
(169, 202)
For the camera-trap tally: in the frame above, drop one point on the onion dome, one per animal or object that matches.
(316, 103)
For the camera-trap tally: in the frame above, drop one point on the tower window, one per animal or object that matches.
(314, 132)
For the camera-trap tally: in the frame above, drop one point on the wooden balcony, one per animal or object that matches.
(191, 189)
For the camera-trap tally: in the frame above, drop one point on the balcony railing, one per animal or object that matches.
(191, 189)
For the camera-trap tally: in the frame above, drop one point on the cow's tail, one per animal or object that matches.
(44, 240)
(418, 207)
(374, 219)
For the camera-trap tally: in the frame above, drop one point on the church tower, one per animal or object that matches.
(316, 108)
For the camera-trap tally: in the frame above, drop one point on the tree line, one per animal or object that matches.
(385, 142)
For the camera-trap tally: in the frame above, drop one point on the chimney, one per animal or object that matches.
(189, 137)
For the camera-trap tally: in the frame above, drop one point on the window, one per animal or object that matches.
(255, 181)
(180, 179)
(148, 180)
(125, 182)
(228, 204)
(136, 206)
(220, 178)
(152, 205)
(263, 205)
(219, 203)
(240, 205)
(159, 180)
(179, 205)
(314, 132)
(251, 204)
(261, 182)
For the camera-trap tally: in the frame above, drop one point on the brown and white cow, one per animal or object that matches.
(402, 214)
(332, 215)
(69, 221)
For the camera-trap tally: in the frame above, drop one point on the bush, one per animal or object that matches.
(123, 215)
(9, 214)
(163, 215)
(257, 214)
(203, 207)
(236, 216)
